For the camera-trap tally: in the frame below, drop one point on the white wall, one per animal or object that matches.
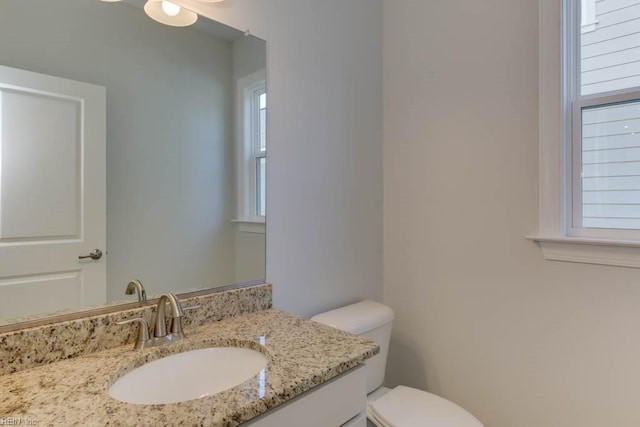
(324, 216)
(481, 318)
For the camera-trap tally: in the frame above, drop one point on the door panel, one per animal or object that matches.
(52, 193)
(54, 290)
(39, 167)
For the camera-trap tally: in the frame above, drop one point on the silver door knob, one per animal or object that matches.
(94, 254)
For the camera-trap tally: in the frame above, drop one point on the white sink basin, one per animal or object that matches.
(189, 375)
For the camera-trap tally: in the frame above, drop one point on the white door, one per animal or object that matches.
(52, 193)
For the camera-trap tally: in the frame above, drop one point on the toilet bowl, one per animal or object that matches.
(401, 406)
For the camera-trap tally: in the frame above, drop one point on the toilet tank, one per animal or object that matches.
(369, 319)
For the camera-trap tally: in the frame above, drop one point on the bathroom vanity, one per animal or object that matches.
(312, 377)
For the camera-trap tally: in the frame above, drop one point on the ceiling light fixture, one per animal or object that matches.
(169, 13)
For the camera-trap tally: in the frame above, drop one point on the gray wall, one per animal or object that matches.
(249, 56)
(481, 318)
(169, 134)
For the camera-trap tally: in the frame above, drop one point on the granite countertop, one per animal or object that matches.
(301, 355)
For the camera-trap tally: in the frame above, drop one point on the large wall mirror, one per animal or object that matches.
(185, 154)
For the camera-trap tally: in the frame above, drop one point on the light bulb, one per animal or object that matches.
(168, 13)
(170, 9)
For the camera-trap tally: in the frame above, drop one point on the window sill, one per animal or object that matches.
(250, 225)
(589, 27)
(590, 251)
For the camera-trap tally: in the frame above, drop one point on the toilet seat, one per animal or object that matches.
(410, 407)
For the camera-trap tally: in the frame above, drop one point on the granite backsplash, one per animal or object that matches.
(31, 347)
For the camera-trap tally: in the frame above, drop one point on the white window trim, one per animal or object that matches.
(588, 21)
(246, 219)
(552, 234)
(613, 97)
(250, 226)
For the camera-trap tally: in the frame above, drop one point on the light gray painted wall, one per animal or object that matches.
(482, 319)
(324, 228)
(169, 135)
(249, 56)
(250, 256)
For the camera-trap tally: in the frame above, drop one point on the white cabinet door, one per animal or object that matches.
(52, 193)
(331, 404)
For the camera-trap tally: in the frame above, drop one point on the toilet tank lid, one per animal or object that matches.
(357, 318)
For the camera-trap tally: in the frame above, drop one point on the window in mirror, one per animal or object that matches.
(261, 165)
(259, 108)
(252, 147)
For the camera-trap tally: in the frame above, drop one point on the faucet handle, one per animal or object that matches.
(176, 321)
(184, 310)
(143, 331)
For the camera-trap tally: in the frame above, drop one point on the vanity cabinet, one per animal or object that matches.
(300, 353)
(334, 403)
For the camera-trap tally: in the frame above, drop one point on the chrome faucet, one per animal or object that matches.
(160, 331)
(136, 286)
(160, 335)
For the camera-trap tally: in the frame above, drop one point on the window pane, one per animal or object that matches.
(610, 45)
(611, 166)
(261, 186)
(263, 122)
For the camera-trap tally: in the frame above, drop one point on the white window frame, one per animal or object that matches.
(574, 164)
(588, 16)
(247, 152)
(557, 240)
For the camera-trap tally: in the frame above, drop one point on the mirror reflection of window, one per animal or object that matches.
(252, 147)
(260, 150)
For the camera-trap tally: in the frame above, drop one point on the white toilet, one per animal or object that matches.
(401, 406)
